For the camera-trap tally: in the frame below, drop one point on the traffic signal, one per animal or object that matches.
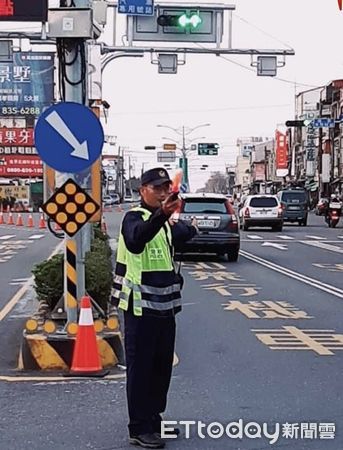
(182, 20)
(297, 123)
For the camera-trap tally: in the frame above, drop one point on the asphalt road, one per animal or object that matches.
(259, 340)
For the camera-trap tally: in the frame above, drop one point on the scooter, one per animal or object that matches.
(333, 215)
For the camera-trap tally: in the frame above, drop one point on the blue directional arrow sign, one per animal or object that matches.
(69, 137)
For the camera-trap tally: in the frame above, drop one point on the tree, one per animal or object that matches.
(217, 183)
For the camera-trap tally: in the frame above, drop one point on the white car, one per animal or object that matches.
(261, 211)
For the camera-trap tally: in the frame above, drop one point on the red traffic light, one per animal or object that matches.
(168, 21)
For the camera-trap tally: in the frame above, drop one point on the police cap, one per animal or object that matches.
(156, 177)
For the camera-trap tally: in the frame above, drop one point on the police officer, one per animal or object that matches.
(147, 288)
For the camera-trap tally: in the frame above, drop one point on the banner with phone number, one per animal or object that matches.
(26, 84)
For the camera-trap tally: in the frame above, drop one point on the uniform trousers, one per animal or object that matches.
(149, 348)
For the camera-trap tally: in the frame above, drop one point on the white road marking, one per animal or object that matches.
(18, 281)
(18, 295)
(286, 238)
(290, 273)
(324, 246)
(36, 236)
(6, 236)
(315, 237)
(340, 237)
(254, 236)
(273, 244)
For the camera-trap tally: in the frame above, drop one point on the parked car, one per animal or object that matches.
(109, 200)
(261, 211)
(217, 222)
(294, 203)
(321, 206)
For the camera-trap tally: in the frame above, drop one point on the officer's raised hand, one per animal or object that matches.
(171, 204)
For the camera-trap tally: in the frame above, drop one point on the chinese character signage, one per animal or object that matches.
(19, 166)
(281, 151)
(23, 10)
(16, 137)
(136, 7)
(17, 150)
(26, 84)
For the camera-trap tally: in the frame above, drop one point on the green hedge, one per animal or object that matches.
(49, 274)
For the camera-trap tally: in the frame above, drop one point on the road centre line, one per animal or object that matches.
(300, 277)
(18, 295)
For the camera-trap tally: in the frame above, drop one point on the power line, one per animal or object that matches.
(230, 108)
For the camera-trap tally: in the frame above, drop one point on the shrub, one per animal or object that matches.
(49, 274)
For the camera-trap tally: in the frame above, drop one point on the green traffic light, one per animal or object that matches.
(194, 20)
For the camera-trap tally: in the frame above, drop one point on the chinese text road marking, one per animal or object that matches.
(292, 338)
(268, 309)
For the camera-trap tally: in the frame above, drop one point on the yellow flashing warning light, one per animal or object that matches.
(70, 207)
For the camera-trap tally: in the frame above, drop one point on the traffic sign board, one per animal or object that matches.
(136, 7)
(165, 156)
(70, 207)
(323, 122)
(208, 149)
(69, 137)
(169, 147)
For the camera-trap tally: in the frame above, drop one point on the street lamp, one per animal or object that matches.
(183, 131)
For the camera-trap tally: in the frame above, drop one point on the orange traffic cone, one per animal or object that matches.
(30, 223)
(19, 221)
(10, 220)
(86, 358)
(42, 223)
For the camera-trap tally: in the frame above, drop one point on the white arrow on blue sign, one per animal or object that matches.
(69, 137)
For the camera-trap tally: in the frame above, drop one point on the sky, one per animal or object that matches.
(216, 90)
(223, 91)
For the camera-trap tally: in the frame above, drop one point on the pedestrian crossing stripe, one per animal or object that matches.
(254, 236)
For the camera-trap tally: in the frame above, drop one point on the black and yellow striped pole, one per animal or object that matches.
(70, 300)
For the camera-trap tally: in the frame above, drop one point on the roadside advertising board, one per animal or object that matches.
(21, 166)
(26, 84)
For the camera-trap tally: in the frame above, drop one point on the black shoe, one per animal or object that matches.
(148, 440)
(174, 430)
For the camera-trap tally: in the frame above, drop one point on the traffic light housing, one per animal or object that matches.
(182, 20)
(295, 123)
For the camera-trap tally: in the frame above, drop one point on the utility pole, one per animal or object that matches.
(265, 168)
(74, 88)
(184, 160)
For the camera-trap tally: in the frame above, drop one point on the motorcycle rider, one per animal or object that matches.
(334, 203)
